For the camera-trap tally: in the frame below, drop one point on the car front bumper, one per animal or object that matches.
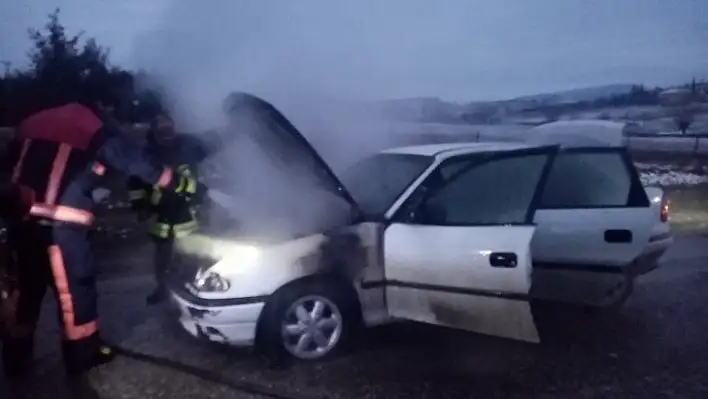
(228, 321)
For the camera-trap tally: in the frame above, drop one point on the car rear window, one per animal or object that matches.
(589, 180)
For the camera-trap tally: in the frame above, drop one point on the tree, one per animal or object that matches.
(59, 63)
(683, 118)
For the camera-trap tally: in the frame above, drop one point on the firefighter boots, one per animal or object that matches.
(82, 355)
(159, 295)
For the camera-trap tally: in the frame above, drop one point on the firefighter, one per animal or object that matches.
(54, 162)
(169, 216)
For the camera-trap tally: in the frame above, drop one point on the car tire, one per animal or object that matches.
(283, 325)
(627, 290)
(615, 304)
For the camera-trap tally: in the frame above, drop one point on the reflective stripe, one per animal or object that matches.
(165, 178)
(98, 169)
(156, 196)
(62, 213)
(187, 226)
(17, 170)
(191, 186)
(58, 167)
(134, 195)
(72, 331)
(180, 187)
(180, 230)
(187, 183)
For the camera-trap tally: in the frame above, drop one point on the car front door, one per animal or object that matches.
(458, 251)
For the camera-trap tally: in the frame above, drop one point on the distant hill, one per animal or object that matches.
(577, 95)
(432, 109)
(424, 109)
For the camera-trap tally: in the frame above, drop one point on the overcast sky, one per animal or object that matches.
(454, 49)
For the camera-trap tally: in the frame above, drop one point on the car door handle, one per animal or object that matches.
(503, 259)
(618, 236)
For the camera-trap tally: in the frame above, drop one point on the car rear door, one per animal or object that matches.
(594, 214)
(458, 251)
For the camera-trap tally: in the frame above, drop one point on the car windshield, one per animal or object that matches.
(377, 181)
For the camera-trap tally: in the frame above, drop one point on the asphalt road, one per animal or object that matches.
(655, 347)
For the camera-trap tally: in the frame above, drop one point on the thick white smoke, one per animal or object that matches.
(316, 61)
(304, 57)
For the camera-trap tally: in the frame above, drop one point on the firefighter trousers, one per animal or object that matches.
(164, 256)
(57, 256)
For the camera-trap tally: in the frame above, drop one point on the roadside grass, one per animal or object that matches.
(684, 179)
(688, 207)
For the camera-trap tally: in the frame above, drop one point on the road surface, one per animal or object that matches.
(655, 347)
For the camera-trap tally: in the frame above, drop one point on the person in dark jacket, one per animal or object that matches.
(54, 163)
(169, 216)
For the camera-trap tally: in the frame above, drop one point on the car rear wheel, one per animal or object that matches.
(619, 294)
(309, 321)
(615, 298)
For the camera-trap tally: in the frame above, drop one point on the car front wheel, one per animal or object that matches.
(309, 321)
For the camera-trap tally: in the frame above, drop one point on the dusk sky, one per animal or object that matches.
(454, 49)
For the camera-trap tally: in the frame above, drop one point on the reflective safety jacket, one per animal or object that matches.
(170, 215)
(57, 156)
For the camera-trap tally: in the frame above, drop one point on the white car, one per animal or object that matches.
(462, 235)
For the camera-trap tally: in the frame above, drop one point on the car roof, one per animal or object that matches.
(567, 134)
(446, 150)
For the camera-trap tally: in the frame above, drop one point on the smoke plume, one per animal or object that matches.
(314, 60)
(303, 57)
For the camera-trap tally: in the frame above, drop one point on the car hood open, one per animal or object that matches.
(273, 181)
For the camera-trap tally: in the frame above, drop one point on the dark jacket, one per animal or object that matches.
(169, 214)
(58, 156)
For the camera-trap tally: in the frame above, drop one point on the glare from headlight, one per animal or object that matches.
(238, 259)
(243, 253)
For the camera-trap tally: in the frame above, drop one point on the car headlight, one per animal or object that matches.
(237, 259)
(208, 281)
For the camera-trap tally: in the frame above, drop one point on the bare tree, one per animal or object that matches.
(683, 118)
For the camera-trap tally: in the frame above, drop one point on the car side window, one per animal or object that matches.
(496, 192)
(588, 180)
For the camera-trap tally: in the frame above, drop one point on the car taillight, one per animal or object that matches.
(664, 210)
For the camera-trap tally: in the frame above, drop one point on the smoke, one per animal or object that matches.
(313, 60)
(317, 61)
